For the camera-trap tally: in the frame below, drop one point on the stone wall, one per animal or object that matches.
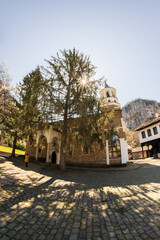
(97, 156)
(31, 150)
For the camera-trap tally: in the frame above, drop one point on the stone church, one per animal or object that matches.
(115, 151)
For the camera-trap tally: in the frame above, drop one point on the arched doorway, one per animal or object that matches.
(54, 157)
(114, 150)
(55, 150)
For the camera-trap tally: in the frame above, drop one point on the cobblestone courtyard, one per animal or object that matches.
(42, 202)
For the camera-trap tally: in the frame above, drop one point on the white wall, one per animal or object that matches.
(153, 137)
(49, 134)
(124, 150)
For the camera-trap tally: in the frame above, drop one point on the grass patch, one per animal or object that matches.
(9, 150)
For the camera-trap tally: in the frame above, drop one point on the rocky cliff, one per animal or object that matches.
(138, 111)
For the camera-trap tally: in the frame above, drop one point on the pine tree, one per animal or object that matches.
(70, 92)
(23, 111)
(5, 87)
(8, 110)
(31, 98)
(13, 123)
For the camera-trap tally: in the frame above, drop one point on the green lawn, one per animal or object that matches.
(9, 150)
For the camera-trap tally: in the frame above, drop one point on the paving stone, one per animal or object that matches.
(75, 230)
(73, 237)
(34, 236)
(58, 236)
(67, 232)
(49, 204)
(3, 230)
(5, 238)
(26, 237)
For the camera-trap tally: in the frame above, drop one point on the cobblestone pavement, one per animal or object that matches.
(42, 202)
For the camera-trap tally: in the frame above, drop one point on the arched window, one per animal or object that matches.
(114, 147)
(107, 94)
(42, 151)
(55, 144)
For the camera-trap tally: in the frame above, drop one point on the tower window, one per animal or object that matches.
(107, 94)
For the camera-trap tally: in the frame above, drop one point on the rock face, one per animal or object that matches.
(138, 111)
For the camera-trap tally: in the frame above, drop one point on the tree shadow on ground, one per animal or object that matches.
(90, 178)
(118, 204)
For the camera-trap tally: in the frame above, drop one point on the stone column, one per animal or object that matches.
(107, 153)
(48, 152)
(37, 152)
(124, 150)
(37, 145)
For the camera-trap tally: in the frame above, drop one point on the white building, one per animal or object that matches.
(149, 134)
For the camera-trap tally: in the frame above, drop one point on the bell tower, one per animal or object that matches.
(109, 98)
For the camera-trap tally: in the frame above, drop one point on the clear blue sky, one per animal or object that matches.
(122, 38)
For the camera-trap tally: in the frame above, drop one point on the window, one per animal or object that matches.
(111, 121)
(149, 132)
(143, 134)
(85, 150)
(102, 147)
(155, 130)
(114, 147)
(107, 94)
(55, 142)
(70, 152)
(30, 140)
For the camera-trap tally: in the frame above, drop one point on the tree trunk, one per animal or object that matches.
(63, 144)
(64, 133)
(14, 145)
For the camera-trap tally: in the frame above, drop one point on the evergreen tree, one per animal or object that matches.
(5, 88)
(70, 92)
(30, 97)
(13, 123)
(23, 111)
